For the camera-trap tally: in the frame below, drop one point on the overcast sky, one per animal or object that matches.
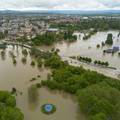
(59, 4)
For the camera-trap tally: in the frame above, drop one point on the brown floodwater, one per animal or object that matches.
(88, 48)
(19, 76)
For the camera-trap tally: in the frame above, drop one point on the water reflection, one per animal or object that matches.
(33, 97)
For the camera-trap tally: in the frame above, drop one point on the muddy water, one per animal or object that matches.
(88, 48)
(67, 108)
(19, 76)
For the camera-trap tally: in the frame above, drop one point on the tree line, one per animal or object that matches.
(89, 60)
(48, 38)
(100, 24)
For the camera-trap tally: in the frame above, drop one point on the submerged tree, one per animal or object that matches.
(3, 55)
(14, 61)
(39, 62)
(24, 52)
(24, 60)
(98, 46)
(32, 63)
(109, 40)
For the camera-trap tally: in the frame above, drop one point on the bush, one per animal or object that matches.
(14, 61)
(98, 62)
(98, 45)
(39, 63)
(84, 59)
(33, 63)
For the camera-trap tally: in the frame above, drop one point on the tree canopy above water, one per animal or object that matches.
(8, 109)
(98, 95)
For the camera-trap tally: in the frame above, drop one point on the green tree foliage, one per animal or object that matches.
(14, 61)
(39, 62)
(84, 59)
(8, 110)
(54, 62)
(24, 52)
(41, 54)
(44, 39)
(98, 95)
(100, 116)
(98, 62)
(100, 99)
(109, 40)
(49, 38)
(68, 35)
(32, 63)
(96, 23)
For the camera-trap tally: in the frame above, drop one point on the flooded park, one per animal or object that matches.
(19, 75)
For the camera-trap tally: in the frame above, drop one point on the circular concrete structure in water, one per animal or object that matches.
(48, 108)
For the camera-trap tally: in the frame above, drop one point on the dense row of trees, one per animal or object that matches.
(44, 39)
(98, 95)
(49, 38)
(8, 110)
(98, 62)
(86, 24)
(89, 60)
(68, 35)
(41, 54)
(84, 59)
(100, 101)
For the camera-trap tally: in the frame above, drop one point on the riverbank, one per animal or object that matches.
(114, 73)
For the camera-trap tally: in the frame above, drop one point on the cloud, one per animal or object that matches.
(59, 4)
